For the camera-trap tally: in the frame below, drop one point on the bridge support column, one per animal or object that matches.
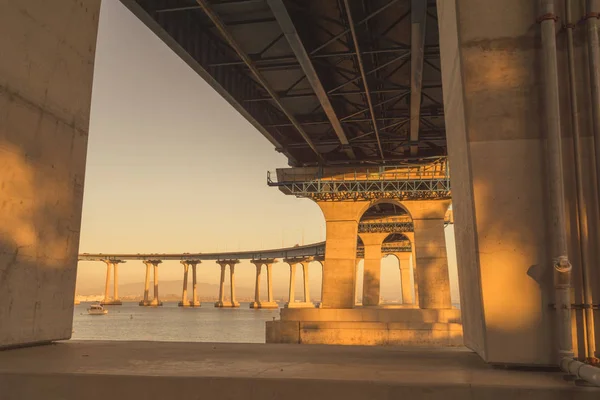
(114, 300)
(372, 269)
(185, 302)
(232, 303)
(155, 302)
(195, 302)
(306, 283)
(292, 294)
(404, 267)
(258, 303)
(415, 269)
(339, 278)
(430, 248)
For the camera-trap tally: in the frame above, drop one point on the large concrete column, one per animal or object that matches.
(372, 268)
(430, 249)
(195, 301)
(305, 281)
(116, 282)
(404, 263)
(339, 278)
(46, 74)
(270, 283)
(415, 269)
(146, 300)
(291, 296)
(234, 303)
(356, 302)
(156, 300)
(221, 300)
(107, 283)
(256, 303)
(184, 295)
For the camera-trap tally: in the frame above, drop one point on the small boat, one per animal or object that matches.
(97, 309)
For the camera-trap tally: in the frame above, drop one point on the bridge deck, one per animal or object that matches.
(160, 370)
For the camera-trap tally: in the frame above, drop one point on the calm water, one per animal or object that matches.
(172, 323)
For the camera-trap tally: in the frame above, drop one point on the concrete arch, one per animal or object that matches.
(368, 205)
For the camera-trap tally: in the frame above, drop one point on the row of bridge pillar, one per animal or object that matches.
(371, 287)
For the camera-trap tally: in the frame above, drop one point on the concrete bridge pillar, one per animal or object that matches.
(114, 300)
(404, 263)
(291, 296)
(306, 283)
(256, 303)
(184, 296)
(195, 301)
(46, 76)
(415, 269)
(234, 303)
(372, 269)
(339, 278)
(430, 248)
(107, 284)
(155, 302)
(221, 303)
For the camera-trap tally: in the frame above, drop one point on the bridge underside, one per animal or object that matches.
(326, 82)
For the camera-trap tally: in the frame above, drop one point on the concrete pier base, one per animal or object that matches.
(189, 304)
(151, 303)
(299, 304)
(227, 304)
(264, 304)
(111, 303)
(160, 370)
(372, 326)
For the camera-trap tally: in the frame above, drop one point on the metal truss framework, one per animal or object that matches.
(382, 227)
(326, 82)
(394, 182)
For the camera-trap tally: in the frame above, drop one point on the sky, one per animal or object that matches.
(172, 167)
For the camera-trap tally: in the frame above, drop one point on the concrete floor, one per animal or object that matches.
(158, 370)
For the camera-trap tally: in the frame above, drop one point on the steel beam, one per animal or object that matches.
(363, 75)
(418, 18)
(204, 4)
(289, 30)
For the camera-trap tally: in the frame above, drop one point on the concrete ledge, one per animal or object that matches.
(372, 314)
(150, 303)
(299, 305)
(365, 333)
(111, 303)
(264, 304)
(189, 304)
(161, 370)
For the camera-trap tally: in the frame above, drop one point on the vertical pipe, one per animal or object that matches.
(584, 245)
(593, 27)
(561, 264)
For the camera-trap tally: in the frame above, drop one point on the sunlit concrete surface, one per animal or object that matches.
(143, 370)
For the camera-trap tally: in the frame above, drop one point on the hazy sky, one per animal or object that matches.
(172, 167)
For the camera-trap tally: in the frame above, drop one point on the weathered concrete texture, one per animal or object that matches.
(368, 326)
(430, 250)
(491, 75)
(46, 69)
(339, 278)
(126, 370)
(372, 267)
